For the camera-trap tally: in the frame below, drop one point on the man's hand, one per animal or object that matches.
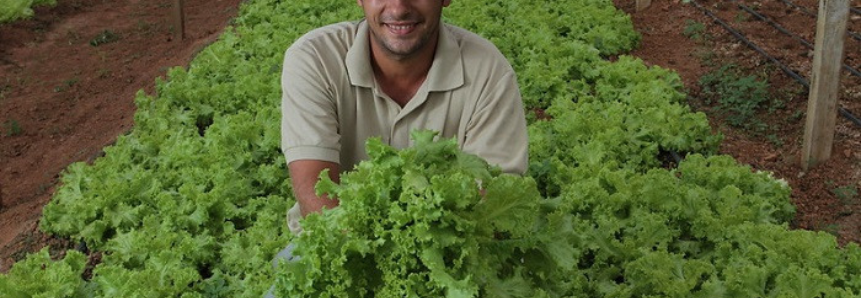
(304, 174)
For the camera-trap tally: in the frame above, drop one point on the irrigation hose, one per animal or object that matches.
(845, 113)
(854, 35)
(750, 44)
(806, 43)
(852, 9)
(849, 116)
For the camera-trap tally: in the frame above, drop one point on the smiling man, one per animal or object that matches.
(398, 70)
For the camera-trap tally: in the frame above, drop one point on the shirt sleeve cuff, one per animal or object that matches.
(312, 153)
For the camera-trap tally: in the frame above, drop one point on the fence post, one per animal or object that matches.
(178, 20)
(822, 101)
(643, 4)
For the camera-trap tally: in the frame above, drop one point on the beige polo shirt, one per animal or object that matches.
(331, 103)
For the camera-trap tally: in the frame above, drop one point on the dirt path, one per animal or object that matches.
(68, 79)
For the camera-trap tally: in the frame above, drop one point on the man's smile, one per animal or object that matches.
(400, 28)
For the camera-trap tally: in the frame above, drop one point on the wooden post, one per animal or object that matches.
(178, 20)
(822, 101)
(643, 4)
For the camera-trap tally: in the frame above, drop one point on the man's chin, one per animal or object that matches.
(402, 50)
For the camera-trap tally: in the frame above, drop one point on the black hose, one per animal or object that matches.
(806, 43)
(750, 44)
(854, 35)
(845, 113)
(802, 9)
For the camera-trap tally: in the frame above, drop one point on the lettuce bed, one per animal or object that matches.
(191, 203)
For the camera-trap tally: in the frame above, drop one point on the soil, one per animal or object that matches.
(68, 79)
(62, 99)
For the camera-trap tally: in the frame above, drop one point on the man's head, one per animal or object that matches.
(403, 28)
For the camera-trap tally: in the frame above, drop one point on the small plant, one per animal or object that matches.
(741, 17)
(776, 104)
(4, 88)
(12, 128)
(846, 194)
(797, 115)
(823, 226)
(66, 85)
(739, 97)
(107, 36)
(774, 140)
(833, 229)
(694, 30)
(104, 73)
(145, 28)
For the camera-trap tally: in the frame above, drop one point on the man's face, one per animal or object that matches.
(403, 28)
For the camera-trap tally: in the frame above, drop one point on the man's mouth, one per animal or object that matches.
(401, 29)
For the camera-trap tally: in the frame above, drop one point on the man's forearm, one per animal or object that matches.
(304, 175)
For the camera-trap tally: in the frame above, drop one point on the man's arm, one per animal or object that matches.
(305, 174)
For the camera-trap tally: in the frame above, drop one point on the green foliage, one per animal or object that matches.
(552, 45)
(694, 30)
(191, 203)
(739, 97)
(414, 223)
(11, 10)
(104, 37)
(12, 128)
(39, 276)
(847, 194)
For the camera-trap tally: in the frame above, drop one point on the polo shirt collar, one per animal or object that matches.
(446, 72)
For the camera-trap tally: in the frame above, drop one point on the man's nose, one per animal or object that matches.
(400, 8)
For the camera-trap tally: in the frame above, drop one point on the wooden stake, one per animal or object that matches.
(643, 4)
(178, 20)
(822, 102)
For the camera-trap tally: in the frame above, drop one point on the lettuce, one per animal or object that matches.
(427, 221)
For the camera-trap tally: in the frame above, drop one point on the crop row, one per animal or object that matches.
(191, 203)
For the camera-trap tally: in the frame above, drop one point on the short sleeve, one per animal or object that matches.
(309, 122)
(497, 129)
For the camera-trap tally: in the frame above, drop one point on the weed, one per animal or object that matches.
(775, 140)
(741, 17)
(107, 36)
(104, 73)
(146, 29)
(846, 194)
(66, 85)
(739, 97)
(776, 104)
(823, 226)
(694, 30)
(833, 229)
(796, 116)
(12, 128)
(4, 89)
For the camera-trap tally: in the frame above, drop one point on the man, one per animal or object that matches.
(398, 70)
